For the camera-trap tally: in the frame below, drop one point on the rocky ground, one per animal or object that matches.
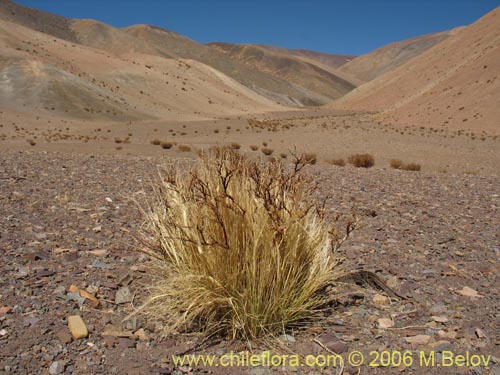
(66, 247)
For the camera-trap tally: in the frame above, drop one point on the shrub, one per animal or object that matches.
(155, 142)
(235, 146)
(362, 160)
(167, 145)
(184, 148)
(118, 140)
(267, 151)
(310, 158)
(254, 148)
(396, 164)
(283, 155)
(411, 167)
(239, 248)
(338, 162)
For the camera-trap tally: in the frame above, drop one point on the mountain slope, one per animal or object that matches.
(261, 81)
(283, 64)
(454, 84)
(38, 20)
(42, 74)
(386, 58)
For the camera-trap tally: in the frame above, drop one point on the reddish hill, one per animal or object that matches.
(454, 84)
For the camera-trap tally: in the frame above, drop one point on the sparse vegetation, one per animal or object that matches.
(155, 142)
(167, 145)
(362, 160)
(310, 158)
(338, 162)
(267, 151)
(398, 164)
(235, 146)
(254, 148)
(238, 250)
(411, 167)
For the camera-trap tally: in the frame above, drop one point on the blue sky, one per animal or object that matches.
(343, 27)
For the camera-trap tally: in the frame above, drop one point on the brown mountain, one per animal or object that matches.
(454, 84)
(286, 65)
(386, 58)
(156, 41)
(42, 74)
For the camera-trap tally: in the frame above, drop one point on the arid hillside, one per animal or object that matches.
(386, 58)
(41, 74)
(156, 41)
(454, 85)
(284, 64)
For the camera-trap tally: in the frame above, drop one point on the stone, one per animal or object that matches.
(440, 319)
(123, 295)
(64, 337)
(56, 368)
(380, 300)
(140, 334)
(287, 338)
(385, 323)
(77, 327)
(333, 343)
(418, 339)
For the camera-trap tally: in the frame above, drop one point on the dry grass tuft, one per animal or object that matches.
(235, 146)
(310, 158)
(155, 142)
(267, 151)
(167, 145)
(398, 164)
(184, 148)
(362, 160)
(338, 162)
(241, 250)
(411, 167)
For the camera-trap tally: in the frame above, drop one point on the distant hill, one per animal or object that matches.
(289, 66)
(384, 59)
(455, 84)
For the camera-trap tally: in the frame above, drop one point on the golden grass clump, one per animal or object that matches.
(398, 164)
(167, 145)
(239, 246)
(338, 162)
(362, 160)
(267, 151)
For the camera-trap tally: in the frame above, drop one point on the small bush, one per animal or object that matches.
(184, 148)
(396, 164)
(267, 151)
(239, 248)
(338, 162)
(167, 145)
(155, 142)
(235, 146)
(283, 155)
(310, 158)
(254, 148)
(118, 140)
(411, 167)
(362, 160)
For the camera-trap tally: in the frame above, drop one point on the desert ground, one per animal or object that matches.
(90, 113)
(67, 220)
